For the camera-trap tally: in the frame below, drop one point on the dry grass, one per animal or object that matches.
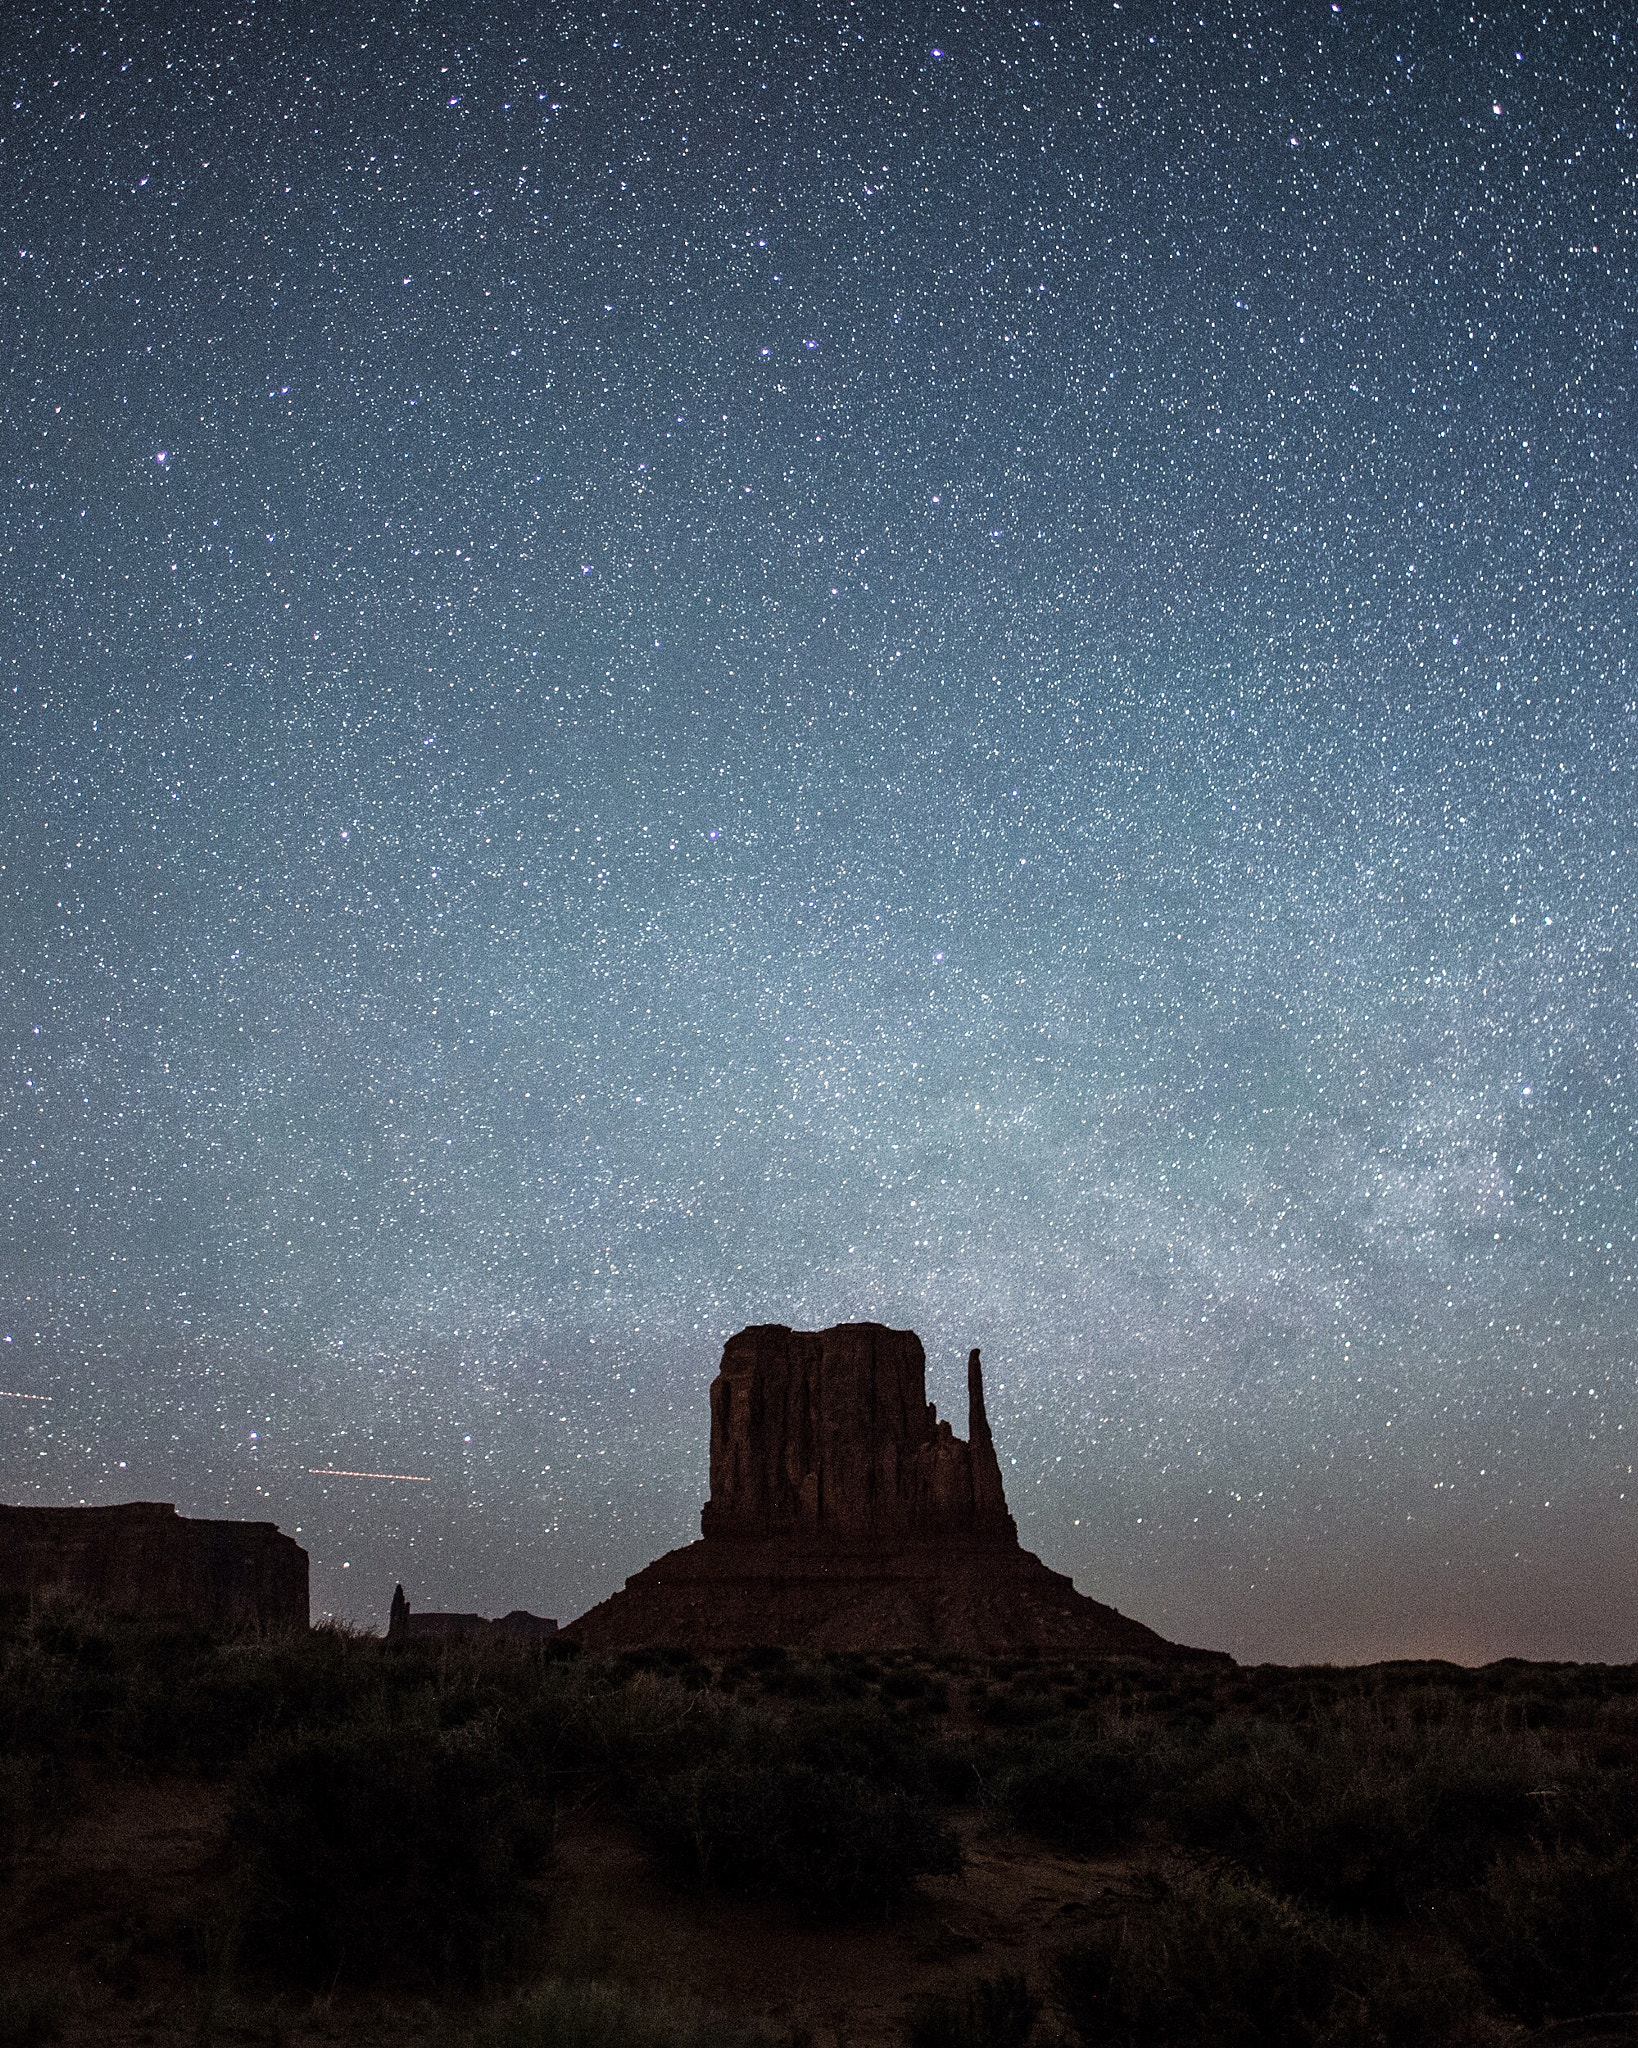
(500, 1842)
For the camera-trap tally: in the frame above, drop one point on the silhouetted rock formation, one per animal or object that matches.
(845, 1515)
(143, 1558)
(403, 1623)
(829, 1435)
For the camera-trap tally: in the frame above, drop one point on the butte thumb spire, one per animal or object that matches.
(989, 1495)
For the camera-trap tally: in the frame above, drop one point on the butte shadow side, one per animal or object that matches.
(144, 1559)
(844, 1515)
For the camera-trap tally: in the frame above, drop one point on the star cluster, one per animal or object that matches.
(673, 666)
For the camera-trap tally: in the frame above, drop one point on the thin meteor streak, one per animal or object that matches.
(336, 1472)
(7, 1395)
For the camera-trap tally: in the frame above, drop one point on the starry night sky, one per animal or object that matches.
(972, 665)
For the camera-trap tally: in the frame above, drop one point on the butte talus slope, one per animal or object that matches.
(845, 1515)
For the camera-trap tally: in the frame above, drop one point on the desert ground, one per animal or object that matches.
(329, 1839)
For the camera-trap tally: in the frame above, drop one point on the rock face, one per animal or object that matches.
(146, 1559)
(845, 1515)
(403, 1623)
(829, 1436)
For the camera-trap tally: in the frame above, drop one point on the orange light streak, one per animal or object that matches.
(336, 1472)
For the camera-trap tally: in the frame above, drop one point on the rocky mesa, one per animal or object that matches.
(143, 1558)
(844, 1514)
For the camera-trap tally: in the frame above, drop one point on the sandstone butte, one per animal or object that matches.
(844, 1515)
(143, 1558)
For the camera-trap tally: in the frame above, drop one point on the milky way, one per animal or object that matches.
(974, 666)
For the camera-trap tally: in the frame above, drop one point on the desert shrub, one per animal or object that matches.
(1085, 1794)
(605, 2016)
(1220, 1962)
(1404, 1995)
(832, 1841)
(1594, 1804)
(796, 1682)
(1023, 1700)
(858, 1736)
(1556, 1935)
(166, 1695)
(1356, 1815)
(377, 1849)
(61, 1688)
(1204, 1964)
(613, 1739)
(996, 2012)
(194, 1704)
(679, 1664)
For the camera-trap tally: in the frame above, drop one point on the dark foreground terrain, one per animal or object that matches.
(322, 1838)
